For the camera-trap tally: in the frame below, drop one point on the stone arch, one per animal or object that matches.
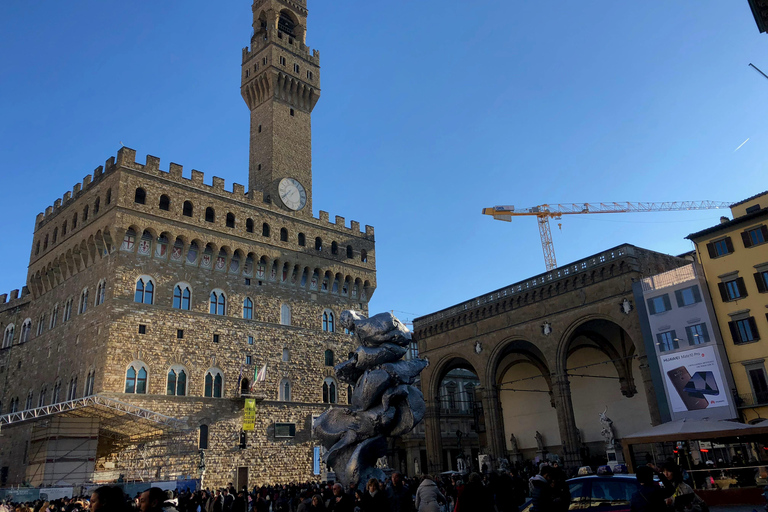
(442, 367)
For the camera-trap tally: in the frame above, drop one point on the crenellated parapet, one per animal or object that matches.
(126, 159)
(14, 299)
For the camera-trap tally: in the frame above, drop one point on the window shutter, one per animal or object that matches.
(651, 307)
(760, 282)
(746, 239)
(696, 294)
(679, 297)
(689, 335)
(723, 292)
(742, 287)
(729, 244)
(764, 231)
(667, 303)
(734, 332)
(753, 326)
(711, 250)
(705, 333)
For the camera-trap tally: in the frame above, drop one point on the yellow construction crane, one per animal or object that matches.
(545, 212)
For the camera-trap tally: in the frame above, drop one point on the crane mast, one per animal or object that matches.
(545, 212)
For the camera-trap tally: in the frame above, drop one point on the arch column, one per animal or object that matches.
(494, 425)
(433, 438)
(650, 392)
(561, 391)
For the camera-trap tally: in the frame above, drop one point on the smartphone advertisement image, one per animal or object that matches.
(693, 380)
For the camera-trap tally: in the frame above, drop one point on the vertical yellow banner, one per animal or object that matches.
(249, 415)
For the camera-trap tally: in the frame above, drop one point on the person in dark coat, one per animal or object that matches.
(475, 497)
(542, 493)
(341, 501)
(374, 499)
(400, 497)
(650, 497)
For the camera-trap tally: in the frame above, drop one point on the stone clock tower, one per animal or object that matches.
(281, 86)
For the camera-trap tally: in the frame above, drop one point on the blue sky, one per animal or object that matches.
(430, 111)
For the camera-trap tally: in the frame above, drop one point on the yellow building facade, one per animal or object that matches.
(734, 256)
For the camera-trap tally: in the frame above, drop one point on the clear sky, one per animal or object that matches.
(430, 111)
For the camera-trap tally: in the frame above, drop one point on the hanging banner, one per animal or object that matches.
(694, 380)
(249, 415)
(316, 461)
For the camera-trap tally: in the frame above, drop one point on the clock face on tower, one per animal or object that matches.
(292, 194)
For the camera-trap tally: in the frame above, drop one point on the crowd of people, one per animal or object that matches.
(660, 490)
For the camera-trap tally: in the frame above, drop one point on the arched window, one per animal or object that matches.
(64, 228)
(265, 229)
(181, 296)
(187, 209)
(285, 314)
(210, 215)
(329, 391)
(54, 316)
(334, 248)
(318, 244)
(97, 206)
(85, 213)
(329, 321)
(286, 355)
(145, 291)
(72, 389)
(45, 243)
(213, 383)
(286, 25)
(40, 325)
(364, 256)
(56, 393)
(55, 234)
(68, 309)
(302, 240)
(140, 197)
(28, 405)
(248, 309)
(218, 303)
(109, 196)
(202, 440)
(249, 225)
(165, 203)
(89, 383)
(329, 358)
(230, 220)
(136, 378)
(350, 253)
(283, 235)
(284, 392)
(37, 248)
(25, 328)
(41, 398)
(74, 221)
(177, 381)
(83, 307)
(245, 386)
(101, 291)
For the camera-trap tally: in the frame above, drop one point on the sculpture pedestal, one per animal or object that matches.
(515, 457)
(615, 456)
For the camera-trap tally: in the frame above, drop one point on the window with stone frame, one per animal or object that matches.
(761, 279)
(249, 225)
(72, 389)
(218, 303)
(41, 324)
(283, 235)
(54, 316)
(744, 330)
(721, 247)
(350, 252)
(26, 327)
(182, 296)
(176, 384)
(165, 203)
(214, 383)
(83, 307)
(302, 240)
(202, 439)
(30, 397)
(230, 222)
(41, 397)
(187, 209)
(140, 197)
(101, 291)
(136, 377)
(68, 309)
(329, 321)
(285, 314)
(329, 391)
(145, 290)
(56, 398)
(754, 236)
(284, 391)
(89, 383)
(8, 335)
(329, 358)
(248, 309)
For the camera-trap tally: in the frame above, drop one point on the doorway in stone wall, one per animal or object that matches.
(242, 478)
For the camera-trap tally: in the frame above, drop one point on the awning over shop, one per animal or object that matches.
(692, 430)
(118, 420)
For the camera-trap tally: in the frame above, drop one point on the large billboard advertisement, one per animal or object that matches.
(693, 380)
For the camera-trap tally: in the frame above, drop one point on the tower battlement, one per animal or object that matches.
(126, 159)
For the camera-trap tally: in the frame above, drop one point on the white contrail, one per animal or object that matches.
(738, 148)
